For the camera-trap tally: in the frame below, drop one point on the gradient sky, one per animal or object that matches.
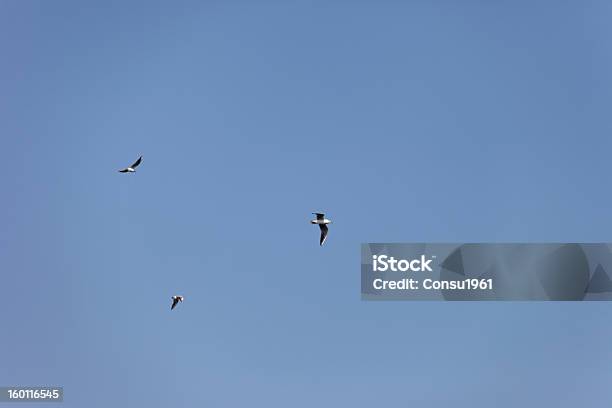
(403, 121)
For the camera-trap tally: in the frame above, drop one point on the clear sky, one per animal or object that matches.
(416, 121)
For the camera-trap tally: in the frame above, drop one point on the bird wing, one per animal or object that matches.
(174, 302)
(136, 163)
(320, 216)
(123, 171)
(324, 230)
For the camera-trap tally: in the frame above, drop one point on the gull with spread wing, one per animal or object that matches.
(132, 168)
(322, 222)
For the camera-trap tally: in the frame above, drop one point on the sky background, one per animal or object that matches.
(402, 121)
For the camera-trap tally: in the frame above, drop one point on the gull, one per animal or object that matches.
(175, 300)
(132, 168)
(322, 221)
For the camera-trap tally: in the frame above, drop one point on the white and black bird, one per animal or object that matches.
(175, 301)
(132, 168)
(322, 222)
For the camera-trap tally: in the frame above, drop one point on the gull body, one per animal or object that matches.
(175, 301)
(322, 222)
(132, 168)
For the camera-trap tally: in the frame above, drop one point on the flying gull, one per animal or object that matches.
(175, 300)
(322, 221)
(132, 168)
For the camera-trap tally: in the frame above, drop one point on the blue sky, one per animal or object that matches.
(403, 121)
